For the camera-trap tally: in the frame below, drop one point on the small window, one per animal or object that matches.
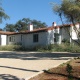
(9, 39)
(35, 38)
(56, 37)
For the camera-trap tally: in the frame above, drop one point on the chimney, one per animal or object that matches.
(54, 24)
(30, 28)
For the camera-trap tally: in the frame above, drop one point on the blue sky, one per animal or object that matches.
(40, 10)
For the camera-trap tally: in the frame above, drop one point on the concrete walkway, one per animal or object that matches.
(17, 65)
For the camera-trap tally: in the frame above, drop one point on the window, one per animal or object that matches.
(12, 39)
(56, 37)
(35, 37)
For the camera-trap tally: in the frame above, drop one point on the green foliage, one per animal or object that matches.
(64, 64)
(9, 27)
(69, 69)
(23, 24)
(48, 48)
(3, 15)
(64, 47)
(38, 24)
(11, 48)
(70, 9)
(65, 41)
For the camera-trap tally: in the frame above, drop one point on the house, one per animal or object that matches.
(4, 37)
(40, 37)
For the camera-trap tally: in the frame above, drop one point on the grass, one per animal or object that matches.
(10, 48)
(49, 48)
(60, 48)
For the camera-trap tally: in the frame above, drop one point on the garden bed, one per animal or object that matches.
(60, 72)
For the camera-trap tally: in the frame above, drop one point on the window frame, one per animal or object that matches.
(11, 38)
(35, 38)
(56, 37)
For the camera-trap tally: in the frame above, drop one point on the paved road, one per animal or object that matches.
(16, 65)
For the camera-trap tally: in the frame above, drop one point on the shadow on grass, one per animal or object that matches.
(8, 77)
(38, 56)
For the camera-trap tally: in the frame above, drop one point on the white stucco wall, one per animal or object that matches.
(16, 39)
(44, 38)
(50, 36)
(57, 30)
(64, 33)
(74, 33)
(28, 39)
(3, 40)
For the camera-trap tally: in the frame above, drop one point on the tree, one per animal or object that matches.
(70, 9)
(23, 25)
(20, 26)
(10, 27)
(3, 15)
(38, 24)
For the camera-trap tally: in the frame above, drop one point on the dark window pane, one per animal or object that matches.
(10, 39)
(56, 37)
(35, 37)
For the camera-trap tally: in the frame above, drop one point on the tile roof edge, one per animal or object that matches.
(36, 30)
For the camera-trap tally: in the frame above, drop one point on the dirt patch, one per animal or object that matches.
(60, 73)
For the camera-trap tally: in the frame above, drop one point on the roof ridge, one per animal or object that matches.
(36, 30)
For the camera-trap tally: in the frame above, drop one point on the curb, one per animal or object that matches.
(33, 75)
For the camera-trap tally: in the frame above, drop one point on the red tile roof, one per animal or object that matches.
(36, 30)
(6, 33)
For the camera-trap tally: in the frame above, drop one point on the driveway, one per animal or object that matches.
(16, 65)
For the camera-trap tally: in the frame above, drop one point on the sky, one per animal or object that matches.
(40, 10)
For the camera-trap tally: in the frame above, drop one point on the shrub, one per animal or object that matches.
(64, 47)
(65, 41)
(58, 48)
(69, 69)
(11, 48)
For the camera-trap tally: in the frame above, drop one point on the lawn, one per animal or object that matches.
(62, 72)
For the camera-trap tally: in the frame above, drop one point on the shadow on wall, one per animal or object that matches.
(8, 77)
(38, 56)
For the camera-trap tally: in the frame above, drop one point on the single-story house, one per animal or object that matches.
(42, 36)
